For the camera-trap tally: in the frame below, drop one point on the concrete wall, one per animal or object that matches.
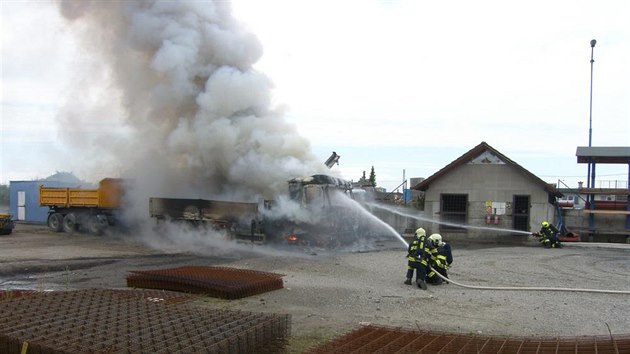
(608, 228)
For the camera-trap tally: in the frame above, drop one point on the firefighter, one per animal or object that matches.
(549, 235)
(441, 261)
(418, 257)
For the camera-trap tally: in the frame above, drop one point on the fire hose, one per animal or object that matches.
(531, 288)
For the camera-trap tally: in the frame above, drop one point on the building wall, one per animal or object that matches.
(484, 183)
(33, 212)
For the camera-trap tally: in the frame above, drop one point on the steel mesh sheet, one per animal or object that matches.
(220, 282)
(129, 321)
(10, 294)
(384, 340)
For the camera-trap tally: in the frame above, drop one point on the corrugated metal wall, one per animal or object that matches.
(29, 203)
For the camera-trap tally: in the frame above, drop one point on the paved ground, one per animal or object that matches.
(328, 293)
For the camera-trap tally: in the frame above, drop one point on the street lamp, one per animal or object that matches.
(590, 118)
(591, 165)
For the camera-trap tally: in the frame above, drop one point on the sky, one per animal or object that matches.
(405, 87)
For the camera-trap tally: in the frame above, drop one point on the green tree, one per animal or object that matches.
(4, 195)
(373, 177)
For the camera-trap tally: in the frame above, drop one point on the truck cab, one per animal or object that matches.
(331, 223)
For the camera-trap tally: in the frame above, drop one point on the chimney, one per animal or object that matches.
(580, 185)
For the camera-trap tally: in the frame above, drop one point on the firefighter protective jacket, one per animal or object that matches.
(420, 251)
(548, 231)
(443, 256)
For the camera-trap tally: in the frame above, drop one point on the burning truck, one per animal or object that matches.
(320, 215)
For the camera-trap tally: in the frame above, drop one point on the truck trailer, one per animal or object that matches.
(92, 210)
(332, 224)
(239, 220)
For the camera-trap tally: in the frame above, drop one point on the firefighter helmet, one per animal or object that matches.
(436, 239)
(420, 232)
(545, 223)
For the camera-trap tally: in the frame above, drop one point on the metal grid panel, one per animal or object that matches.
(119, 321)
(221, 282)
(383, 340)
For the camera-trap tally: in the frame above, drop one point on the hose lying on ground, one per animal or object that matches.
(532, 288)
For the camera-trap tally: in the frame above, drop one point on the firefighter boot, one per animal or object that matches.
(408, 281)
(421, 284)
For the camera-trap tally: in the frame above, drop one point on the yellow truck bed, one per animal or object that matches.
(107, 196)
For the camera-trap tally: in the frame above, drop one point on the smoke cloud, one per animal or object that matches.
(166, 95)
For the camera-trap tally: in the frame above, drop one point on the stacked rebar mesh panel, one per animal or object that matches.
(115, 321)
(383, 340)
(10, 294)
(222, 282)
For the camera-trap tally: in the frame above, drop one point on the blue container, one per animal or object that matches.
(24, 199)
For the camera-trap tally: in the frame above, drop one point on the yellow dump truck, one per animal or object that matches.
(92, 210)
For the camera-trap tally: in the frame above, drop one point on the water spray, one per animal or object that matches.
(420, 218)
(353, 203)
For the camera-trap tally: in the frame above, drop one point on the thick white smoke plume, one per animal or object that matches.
(193, 118)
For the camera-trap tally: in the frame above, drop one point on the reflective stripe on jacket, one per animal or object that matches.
(440, 261)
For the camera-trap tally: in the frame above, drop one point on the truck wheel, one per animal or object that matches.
(69, 223)
(97, 224)
(55, 222)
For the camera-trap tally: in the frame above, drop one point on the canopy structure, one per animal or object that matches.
(593, 155)
(603, 154)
